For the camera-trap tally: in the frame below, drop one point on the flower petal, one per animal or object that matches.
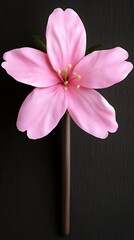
(30, 66)
(103, 68)
(91, 112)
(66, 38)
(41, 111)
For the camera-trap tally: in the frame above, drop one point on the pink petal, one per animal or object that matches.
(42, 110)
(104, 68)
(91, 112)
(66, 38)
(30, 66)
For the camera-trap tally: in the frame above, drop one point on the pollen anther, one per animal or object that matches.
(59, 71)
(66, 82)
(65, 88)
(74, 73)
(77, 86)
(69, 65)
(78, 77)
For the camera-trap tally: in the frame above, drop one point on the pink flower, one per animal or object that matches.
(65, 79)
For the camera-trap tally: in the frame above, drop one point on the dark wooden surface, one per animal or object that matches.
(102, 171)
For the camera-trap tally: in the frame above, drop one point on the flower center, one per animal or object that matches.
(64, 75)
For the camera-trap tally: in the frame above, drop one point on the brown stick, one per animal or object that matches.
(66, 174)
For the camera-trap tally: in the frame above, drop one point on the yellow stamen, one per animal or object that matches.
(77, 86)
(69, 65)
(78, 77)
(66, 82)
(74, 73)
(59, 71)
(65, 88)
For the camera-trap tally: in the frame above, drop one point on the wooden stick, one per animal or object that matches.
(66, 174)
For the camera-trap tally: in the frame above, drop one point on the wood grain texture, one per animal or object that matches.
(102, 171)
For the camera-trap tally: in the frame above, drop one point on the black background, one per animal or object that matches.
(102, 184)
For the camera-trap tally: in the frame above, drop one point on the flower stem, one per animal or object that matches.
(66, 174)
